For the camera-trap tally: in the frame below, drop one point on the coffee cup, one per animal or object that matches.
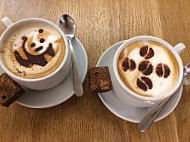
(146, 70)
(34, 53)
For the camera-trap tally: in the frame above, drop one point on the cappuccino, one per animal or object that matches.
(148, 68)
(33, 51)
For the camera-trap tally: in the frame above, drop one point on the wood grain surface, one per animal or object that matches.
(100, 23)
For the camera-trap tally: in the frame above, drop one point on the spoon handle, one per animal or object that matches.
(77, 83)
(147, 121)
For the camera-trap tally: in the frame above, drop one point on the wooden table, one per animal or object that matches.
(101, 23)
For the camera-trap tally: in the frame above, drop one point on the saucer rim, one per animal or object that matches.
(69, 95)
(128, 119)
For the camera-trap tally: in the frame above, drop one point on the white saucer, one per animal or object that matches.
(60, 93)
(123, 110)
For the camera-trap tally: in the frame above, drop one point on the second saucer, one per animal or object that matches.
(122, 109)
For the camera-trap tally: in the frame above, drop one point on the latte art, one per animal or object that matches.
(33, 59)
(148, 68)
(34, 51)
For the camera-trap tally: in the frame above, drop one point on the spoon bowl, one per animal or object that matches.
(186, 79)
(67, 24)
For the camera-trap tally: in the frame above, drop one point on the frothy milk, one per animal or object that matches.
(33, 51)
(148, 68)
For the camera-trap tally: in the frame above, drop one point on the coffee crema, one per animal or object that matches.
(33, 51)
(148, 68)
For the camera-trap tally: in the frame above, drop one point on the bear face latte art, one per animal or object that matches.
(33, 51)
(148, 68)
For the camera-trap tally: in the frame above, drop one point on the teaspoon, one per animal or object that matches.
(147, 121)
(67, 24)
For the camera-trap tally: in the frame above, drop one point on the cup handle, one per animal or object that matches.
(6, 21)
(179, 47)
(186, 70)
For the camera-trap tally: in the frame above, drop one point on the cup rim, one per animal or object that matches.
(146, 37)
(22, 21)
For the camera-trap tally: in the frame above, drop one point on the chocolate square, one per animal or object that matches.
(9, 90)
(100, 80)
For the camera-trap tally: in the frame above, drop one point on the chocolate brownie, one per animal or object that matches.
(9, 90)
(100, 80)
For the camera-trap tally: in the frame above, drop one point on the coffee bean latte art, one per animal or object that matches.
(33, 51)
(148, 68)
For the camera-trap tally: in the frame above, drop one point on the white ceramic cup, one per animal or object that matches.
(132, 98)
(48, 81)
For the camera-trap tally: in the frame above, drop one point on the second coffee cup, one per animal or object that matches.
(146, 70)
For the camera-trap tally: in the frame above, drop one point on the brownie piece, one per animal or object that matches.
(9, 90)
(100, 80)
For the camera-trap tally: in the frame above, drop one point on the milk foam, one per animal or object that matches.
(45, 50)
(162, 55)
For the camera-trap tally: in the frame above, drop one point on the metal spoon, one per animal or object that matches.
(67, 24)
(147, 121)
